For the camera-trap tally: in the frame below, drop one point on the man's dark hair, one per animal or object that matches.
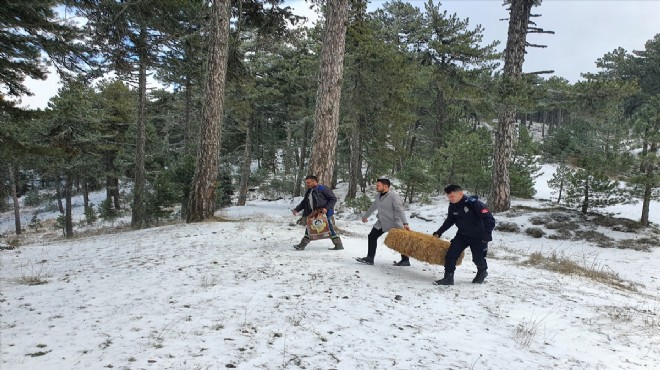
(312, 177)
(384, 181)
(452, 188)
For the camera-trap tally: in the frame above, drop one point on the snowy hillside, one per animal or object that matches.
(234, 294)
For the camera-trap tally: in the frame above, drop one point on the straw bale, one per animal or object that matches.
(419, 246)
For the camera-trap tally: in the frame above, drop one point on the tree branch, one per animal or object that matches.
(539, 72)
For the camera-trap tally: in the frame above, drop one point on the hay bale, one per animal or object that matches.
(419, 246)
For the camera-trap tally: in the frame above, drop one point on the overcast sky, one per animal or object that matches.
(584, 31)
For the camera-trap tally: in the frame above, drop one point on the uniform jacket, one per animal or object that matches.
(317, 197)
(471, 217)
(390, 211)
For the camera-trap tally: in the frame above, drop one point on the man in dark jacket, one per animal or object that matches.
(318, 198)
(475, 226)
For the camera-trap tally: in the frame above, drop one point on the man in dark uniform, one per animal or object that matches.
(475, 225)
(318, 198)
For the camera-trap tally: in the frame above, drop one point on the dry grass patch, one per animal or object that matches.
(641, 244)
(566, 266)
(34, 275)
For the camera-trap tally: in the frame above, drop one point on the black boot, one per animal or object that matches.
(365, 260)
(447, 280)
(479, 278)
(405, 261)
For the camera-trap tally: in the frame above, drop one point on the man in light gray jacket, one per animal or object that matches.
(390, 215)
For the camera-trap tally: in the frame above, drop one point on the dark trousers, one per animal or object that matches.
(372, 243)
(478, 247)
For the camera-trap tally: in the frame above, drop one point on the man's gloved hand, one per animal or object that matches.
(437, 235)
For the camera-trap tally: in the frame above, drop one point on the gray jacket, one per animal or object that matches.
(390, 211)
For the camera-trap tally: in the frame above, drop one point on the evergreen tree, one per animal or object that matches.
(586, 190)
(326, 116)
(117, 110)
(29, 30)
(641, 67)
(559, 181)
(514, 57)
(72, 128)
(201, 204)
(129, 35)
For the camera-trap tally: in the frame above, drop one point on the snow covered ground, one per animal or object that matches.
(235, 294)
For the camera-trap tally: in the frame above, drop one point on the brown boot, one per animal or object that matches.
(303, 243)
(338, 245)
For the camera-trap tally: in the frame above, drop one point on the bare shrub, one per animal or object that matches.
(561, 217)
(508, 227)
(539, 220)
(534, 232)
(561, 234)
(556, 225)
(525, 331)
(596, 237)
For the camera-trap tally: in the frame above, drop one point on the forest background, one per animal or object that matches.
(421, 93)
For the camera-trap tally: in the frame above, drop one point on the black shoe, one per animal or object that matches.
(480, 277)
(402, 263)
(447, 280)
(365, 260)
(299, 247)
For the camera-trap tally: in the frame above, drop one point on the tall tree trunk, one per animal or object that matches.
(648, 186)
(333, 181)
(58, 193)
(201, 203)
(68, 219)
(108, 178)
(13, 183)
(441, 111)
(328, 95)
(297, 190)
(138, 212)
(288, 150)
(500, 198)
(543, 130)
(355, 164)
(85, 194)
(585, 201)
(245, 166)
(115, 192)
(187, 129)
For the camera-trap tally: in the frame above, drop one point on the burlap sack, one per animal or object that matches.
(419, 246)
(317, 226)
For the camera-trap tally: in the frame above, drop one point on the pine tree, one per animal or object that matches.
(28, 30)
(326, 116)
(201, 204)
(72, 126)
(514, 56)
